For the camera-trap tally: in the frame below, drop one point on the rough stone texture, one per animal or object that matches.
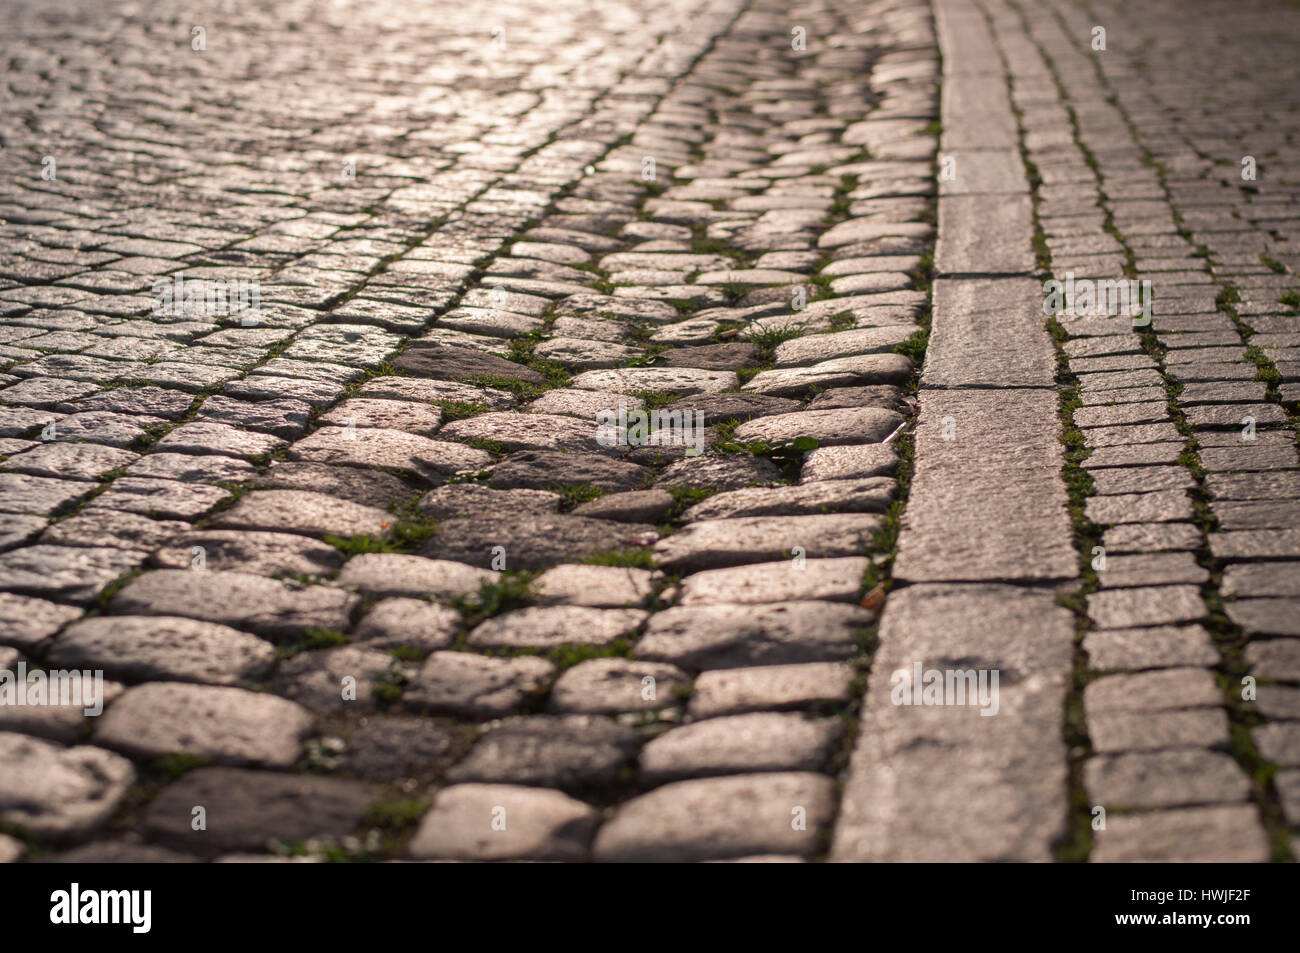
(58, 792)
(732, 691)
(396, 450)
(827, 427)
(1189, 835)
(296, 511)
(1155, 605)
(961, 524)
(837, 579)
(1163, 647)
(636, 506)
(1164, 779)
(848, 463)
(709, 544)
(26, 622)
(972, 320)
(411, 622)
(543, 628)
(532, 542)
(142, 648)
(228, 725)
(464, 823)
(573, 752)
(333, 678)
(1003, 776)
(731, 471)
(247, 810)
(394, 574)
(719, 818)
(858, 371)
(871, 495)
(610, 685)
(240, 600)
(739, 744)
(68, 573)
(602, 586)
(262, 554)
(491, 270)
(476, 685)
(542, 469)
(732, 636)
(984, 235)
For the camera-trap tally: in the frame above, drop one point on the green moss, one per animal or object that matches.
(575, 493)
(395, 814)
(512, 589)
(311, 640)
(460, 409)
(362, 544)
(640, 558)
(567, 656)
(914, 347)
(172, 766)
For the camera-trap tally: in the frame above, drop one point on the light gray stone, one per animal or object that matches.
(140, 648)
(551, 626)
(719, 818)
(540, 825)
(740, 744)
(734, 636)
(59, 792)
(768, 687)
(228, 725)
(476, 685)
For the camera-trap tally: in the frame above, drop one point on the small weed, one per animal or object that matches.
(172, 766)
(513, 590)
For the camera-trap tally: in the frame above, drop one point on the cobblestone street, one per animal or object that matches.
(707, 430)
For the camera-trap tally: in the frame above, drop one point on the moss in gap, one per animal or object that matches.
(639, 558)
(512, 589)
(395, 814)
(522, 390)
(354, 545)
(567, 656)
(460, 409)
(655, 399)
(169, 767)
(684, 497)
(573, 494)
(310, 640)
(914, 347)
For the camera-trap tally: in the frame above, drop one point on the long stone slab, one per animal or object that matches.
(985, 235)
(989, 332)
(987, 502)
(948, 783)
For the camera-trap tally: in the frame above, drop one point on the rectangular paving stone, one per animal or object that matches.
(985, 235)
(1113, 733)
(994, 171)
(1149, 605)
(1149, 648)
(975, 319)
(945, 782)
(962, 523)
(1227, 834)
(1164, 779)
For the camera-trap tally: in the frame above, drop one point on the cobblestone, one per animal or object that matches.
(376, 537)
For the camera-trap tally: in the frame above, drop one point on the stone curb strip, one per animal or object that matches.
(986, 534)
